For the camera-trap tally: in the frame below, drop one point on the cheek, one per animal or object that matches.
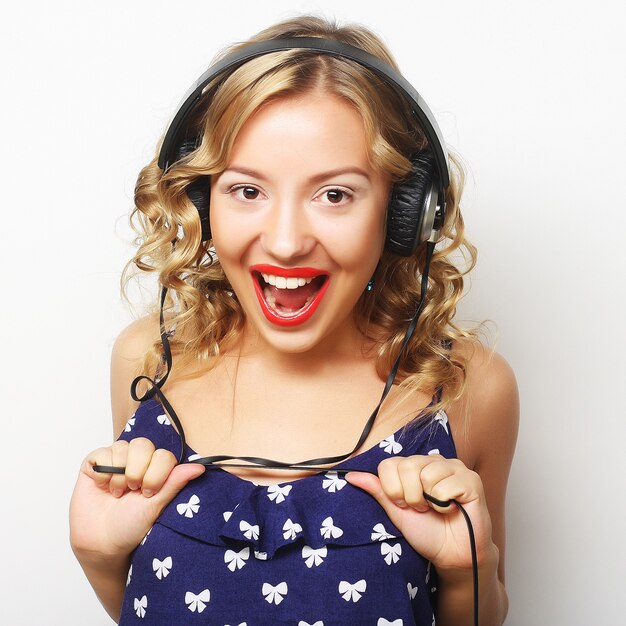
(229, 234)
(363, 245)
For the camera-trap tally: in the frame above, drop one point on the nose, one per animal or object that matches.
(288, 233)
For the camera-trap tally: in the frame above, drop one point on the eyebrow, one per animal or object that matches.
(314, 179)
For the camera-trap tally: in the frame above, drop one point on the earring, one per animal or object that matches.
(372, 280)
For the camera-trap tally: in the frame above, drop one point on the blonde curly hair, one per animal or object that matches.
(201, 304)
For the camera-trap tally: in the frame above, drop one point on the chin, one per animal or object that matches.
(298, 342)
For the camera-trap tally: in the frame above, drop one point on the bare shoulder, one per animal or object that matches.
(487, 415)
(490, 377)
(484, 423)
(126, 357)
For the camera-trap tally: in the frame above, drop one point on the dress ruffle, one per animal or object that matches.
(222, 509)
(267, 519)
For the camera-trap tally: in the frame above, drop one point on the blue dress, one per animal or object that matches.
(315, 551)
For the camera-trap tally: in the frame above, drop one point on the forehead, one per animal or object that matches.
(309, 130)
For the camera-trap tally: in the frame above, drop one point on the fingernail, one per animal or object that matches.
(400, 503)
(147, 493)
(118, 493)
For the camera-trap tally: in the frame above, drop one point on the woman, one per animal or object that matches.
(291, 302)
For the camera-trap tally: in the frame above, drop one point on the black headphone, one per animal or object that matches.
(417, 204)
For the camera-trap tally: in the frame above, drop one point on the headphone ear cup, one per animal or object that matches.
(412, 205)
(199, 191)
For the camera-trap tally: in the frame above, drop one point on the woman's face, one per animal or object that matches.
(297, 220)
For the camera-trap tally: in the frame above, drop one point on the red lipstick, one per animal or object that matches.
(288, 272)
(305, 313)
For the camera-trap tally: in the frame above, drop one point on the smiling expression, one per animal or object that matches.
(297, 220)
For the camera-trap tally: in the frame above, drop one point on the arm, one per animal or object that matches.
(126, 357)
(485, 426)
(109, 515)
(484, 423)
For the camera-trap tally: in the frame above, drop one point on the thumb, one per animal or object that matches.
(371, 484)
(178, 478)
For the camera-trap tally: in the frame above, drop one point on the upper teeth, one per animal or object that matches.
(282, 282)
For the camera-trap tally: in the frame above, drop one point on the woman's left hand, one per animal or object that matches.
(439, 534)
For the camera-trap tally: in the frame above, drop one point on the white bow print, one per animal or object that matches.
(261, 556)
(197, 602)
(384, 622)
(442, 418)
(278, 493)
(318, 623)
(141, 606)
(314, 556)
(193, 457)
(333, 483)
(129, 424)
(189, 508)
(249, 531)
(163, 419)
(412, 591)
(391, 552)
(352, 592)
(236, 560)
(380, 533)
(162, 568)
(291, 529)
(275, 594)
(328, 529)
(242, 624)
(390, 445)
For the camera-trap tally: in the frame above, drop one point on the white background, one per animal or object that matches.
(532, 96)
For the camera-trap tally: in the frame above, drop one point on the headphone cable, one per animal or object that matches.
(311, 464)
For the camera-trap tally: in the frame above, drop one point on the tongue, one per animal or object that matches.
(294, 299)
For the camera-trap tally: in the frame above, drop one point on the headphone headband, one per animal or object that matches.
(173, 136)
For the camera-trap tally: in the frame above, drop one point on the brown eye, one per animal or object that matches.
(335, 196)
(249, 193)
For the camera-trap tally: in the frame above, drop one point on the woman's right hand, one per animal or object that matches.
(111, 513)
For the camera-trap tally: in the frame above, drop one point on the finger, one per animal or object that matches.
(440, 469)
(140, 451)
(162, 462)
(119, 454)
(362, 480)
(391, 482)
(463, 487)
(371, 484)
(101, 456)
(176, 480)
(409, 473)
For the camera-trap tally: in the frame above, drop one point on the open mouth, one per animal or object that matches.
(289, 296)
